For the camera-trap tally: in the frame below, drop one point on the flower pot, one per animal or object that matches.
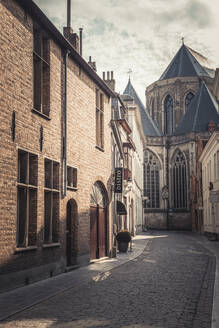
(123, 246)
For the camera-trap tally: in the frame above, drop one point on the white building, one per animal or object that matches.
(137, 135)
(210, 184)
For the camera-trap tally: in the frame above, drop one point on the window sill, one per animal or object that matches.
(51, 245)
(100, 148)
(25, 249)
(72, 188)
(51, 190)
(35, 111)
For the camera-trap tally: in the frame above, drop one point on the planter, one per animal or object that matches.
(123, 246)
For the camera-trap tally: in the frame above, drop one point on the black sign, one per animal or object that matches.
(118, 179)
(120, 208)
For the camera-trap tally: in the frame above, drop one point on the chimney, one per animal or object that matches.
(80, 37)
(211, 126)
(68, 13)
(68, 31)
(92, 64)
(110, 80)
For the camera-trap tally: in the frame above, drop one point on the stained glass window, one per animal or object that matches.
(168, 115)
(179, 180)
(151, 180)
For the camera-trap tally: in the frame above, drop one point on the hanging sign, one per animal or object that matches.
(118, 180)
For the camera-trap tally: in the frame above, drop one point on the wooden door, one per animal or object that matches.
(69, 234)
(102, 232)
(93, 233)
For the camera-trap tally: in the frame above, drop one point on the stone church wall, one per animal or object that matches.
(177, 88)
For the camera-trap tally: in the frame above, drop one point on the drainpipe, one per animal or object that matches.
(65, 57)
(167, 181)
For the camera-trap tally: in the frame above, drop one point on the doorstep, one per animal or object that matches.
(99, 260)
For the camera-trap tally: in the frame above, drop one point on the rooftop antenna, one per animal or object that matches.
(129, 73)
(68, 13)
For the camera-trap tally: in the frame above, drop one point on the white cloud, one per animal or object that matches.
(141, 35)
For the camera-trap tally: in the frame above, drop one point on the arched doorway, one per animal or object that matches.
(98, 221)
(71, 232)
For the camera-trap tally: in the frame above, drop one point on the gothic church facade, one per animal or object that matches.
(180, 113)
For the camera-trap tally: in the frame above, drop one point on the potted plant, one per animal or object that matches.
(123, 238)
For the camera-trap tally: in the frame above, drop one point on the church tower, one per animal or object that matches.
(179, 109)
(169, 97)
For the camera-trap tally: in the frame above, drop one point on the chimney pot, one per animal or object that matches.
(111, 75)
(68, 13)
(89, 58)
(103, 75)
(108, 75)
(80, 38)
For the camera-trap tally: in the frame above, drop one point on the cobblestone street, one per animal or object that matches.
(169, 285)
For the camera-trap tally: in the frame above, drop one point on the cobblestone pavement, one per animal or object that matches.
(169, 285)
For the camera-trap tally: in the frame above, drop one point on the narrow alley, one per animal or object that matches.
(167, 281)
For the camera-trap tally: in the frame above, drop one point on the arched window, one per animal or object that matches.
(188, 99)
(151, 180)
(152, 109)
(168, 115)
(97, 196)
(179, 180)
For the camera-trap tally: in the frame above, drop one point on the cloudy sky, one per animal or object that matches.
(141, 35)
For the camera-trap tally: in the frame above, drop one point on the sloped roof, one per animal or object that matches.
(202, 109)
(149, 127)
(188, 62)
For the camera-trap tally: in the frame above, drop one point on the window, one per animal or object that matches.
(71, 177)
(179, 179)
(27, 199)
(152, 110)
(41, 71)
(51, 202)
(188, 99)
(168, 115)
(99, 119)
(151, 180)
(127, 162)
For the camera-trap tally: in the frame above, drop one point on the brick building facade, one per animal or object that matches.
(55, 151)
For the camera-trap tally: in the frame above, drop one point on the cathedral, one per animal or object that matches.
(180, 115)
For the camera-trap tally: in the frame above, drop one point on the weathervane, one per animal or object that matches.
(129, 73)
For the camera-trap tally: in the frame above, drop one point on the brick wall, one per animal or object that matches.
(16, 88)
